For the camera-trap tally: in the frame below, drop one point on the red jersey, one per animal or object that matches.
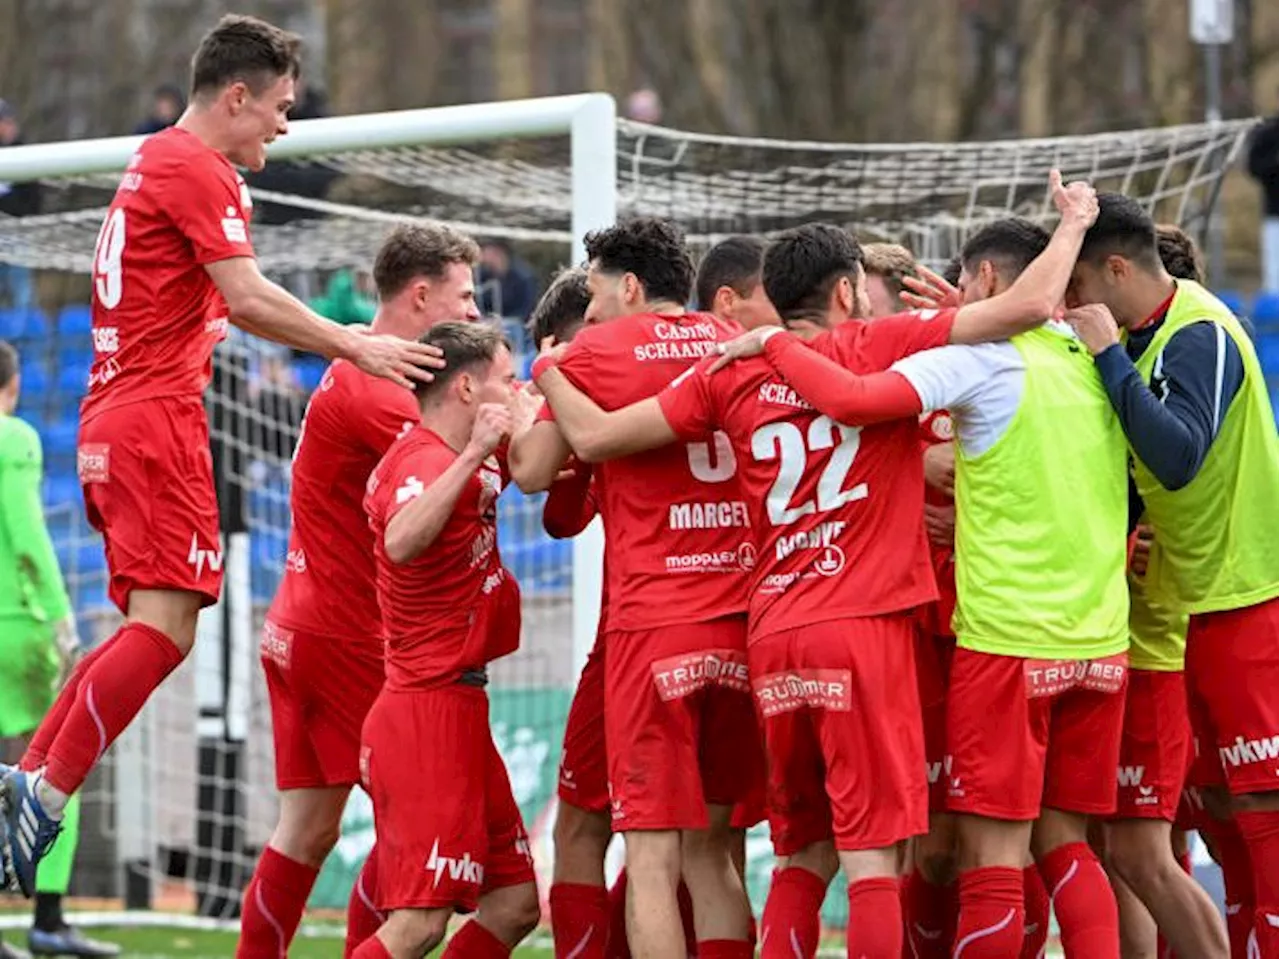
(839, 530)
(446, 611)
(156, 313)
(329, 584)
(678, 543)
(936, 428)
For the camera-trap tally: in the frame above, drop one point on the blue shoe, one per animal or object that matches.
(67, 942)
(30, 831)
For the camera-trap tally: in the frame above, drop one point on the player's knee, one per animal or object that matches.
(653, 857)
(414, 931)
(937, 866)
(580, 828)
(1140, 856)
(511, 913)
(819, 858)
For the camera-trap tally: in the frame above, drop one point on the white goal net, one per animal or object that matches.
(176, 815)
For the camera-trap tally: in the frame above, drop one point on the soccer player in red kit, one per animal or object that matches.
(174, 265)
(322, 641)
(678, 722)
(449, 831)
(844, 739)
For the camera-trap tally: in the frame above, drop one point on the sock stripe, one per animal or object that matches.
(1066, 878)
(977, 934)
(92, 705)
(275, 923)
(581, 947)
(365, 898)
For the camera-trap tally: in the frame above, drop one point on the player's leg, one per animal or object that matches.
(582, 831)
(508, 908)
(1232, 666)
(407, 934)
(707, 867)
(1139, 938)
(363, 916)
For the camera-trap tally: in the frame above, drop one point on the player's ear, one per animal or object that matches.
(632, 289)
(237, 94)
(421, 288)
(987, 278)
(845, 296)
(1118, 268)
(724, 301)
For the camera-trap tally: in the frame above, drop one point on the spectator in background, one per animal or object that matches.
(38, 644)
(16, 199)
(348, 298)
(644, 106)
(505, 284)
(1263, 168)
(167, 104)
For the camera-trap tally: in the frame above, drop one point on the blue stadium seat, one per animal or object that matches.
(1265, 311)
(60, 438)
(73, 379)
(310, 370)
(35, 379)
(1233, 300)
(21, 324)
(1267, 346)
(77, 318)
(61, 489)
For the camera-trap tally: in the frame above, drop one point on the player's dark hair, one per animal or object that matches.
(1123, 228)
(465, 346)
(892, 262)
(560, 310)
(8, 363)
(244, 49)
(1010, 245)
(649, 247)
(951, 272)
(420, 250)
(803, 265)
(1179, 253)
(734, 262)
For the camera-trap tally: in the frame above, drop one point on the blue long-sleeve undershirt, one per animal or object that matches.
(1171, 423)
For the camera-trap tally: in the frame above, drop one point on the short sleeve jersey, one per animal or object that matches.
(432, 604)
(329, 583)
(157, 314)
(837, 510)
(678, 542)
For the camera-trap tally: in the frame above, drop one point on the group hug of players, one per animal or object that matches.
(772, 643)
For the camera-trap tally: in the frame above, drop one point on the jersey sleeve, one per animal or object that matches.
(205, 204)
(883, 342)
(571, 503)
(688, 403)
(829, 387)
(411, 477)
(44, 593)
(951, 377)
(382, 416)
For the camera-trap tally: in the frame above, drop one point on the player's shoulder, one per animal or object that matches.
(19, 441)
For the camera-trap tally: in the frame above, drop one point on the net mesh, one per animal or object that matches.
(186, 799)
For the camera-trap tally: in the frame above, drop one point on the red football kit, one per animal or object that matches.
(143, 453)
(842, 567)
(678, 550)
(936, 641)
(445, 615)
(321, 644)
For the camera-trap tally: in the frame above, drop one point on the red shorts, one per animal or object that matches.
(321, 688)
(449, 829)
(1027, 733)
(1233, 694)
(842, 733)
(584, 773)
(933, 670)
(680, 731)
(752, 810)
(147, 476)
(1155, 747)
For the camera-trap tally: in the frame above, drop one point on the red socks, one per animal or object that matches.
(1237, 882)
(875, 919)
(371, 948)
(1083, 902)
(991, 914)
(272, 906)
(37, 753)
(109, 694)
(790, 924)
(474, 941)
(1261, 832)
(363, 917)
(726, 949)
(929, 917)
(1035, 920)
(579, 920)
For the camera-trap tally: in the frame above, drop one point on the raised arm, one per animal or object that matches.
(265, 309)
(597, 435)
(416, 526)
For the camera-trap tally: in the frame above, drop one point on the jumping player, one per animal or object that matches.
(173, 266)
(322, 641)
(448, 608)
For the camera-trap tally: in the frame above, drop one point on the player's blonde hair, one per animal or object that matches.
(892, 262)
(420, 249)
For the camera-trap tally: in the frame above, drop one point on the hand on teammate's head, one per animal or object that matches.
(1076, 201)
(401, 361)
(1095, 326)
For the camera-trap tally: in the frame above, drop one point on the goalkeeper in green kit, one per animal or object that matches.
(38, 643)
